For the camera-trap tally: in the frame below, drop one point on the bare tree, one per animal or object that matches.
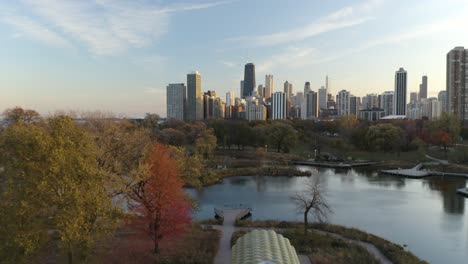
(312, 200)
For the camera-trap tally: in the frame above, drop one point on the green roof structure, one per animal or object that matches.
(263, 247)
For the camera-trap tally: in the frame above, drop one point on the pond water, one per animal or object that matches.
(427, 215)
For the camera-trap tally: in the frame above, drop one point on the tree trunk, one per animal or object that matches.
(70, 257)
(305, 222)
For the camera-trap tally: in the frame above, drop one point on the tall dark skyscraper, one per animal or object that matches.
(399, 99)
(423, 88)
(249, 80)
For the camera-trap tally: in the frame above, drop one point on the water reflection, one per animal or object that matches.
(447, 189)
(427, 214)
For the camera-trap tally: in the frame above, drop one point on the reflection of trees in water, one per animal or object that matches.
(375, 178)
(447, 188)
(239, 181)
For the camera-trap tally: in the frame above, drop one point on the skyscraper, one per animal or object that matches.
(241, 88)
(278, 106)
(268, 86)
(457, 82)
(312, 105)
(442, 97)
(307, 88)
(342, 102)
(399, 99)
(387, 102)
(423, 88)
(194, 97)
(413, 98)
(176, 100)
(230, 98)
(288, 93)
(322, 94)
(354, 105)
(261, 90)
(249, 80)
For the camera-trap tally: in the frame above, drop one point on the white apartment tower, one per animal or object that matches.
(278, 106)
(387, 102)
(342, 102)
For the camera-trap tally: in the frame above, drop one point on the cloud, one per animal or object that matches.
(104, 27)
(342, 18)
(229, 64)
(291, 57)
(33, 30)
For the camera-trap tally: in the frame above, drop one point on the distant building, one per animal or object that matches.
(288, 93)
(457, 82)
(413, 97)
(255, 111)
(307, 88)
(442, 97)
(230, 98)
(312, 109)
(176, 100)
(386, 102)
(354, 105)
(208, 104)
(423, 88)
(249, 80)
(194, 97)
(241, 88)
(278, 105)
(370, 101)
(261, 90)
(399, 100)
(268, 86)
(219, 108)
(322, 94)
(342, 102)
(373, 114)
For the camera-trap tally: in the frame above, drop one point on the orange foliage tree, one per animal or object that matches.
(161, 207)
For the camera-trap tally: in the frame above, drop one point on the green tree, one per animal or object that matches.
(385, 137)
(282, 137)
(18, 114)
(205, 144)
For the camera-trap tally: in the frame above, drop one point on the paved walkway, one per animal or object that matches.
(224, 251)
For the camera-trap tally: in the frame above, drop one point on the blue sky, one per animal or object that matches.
(118, 56)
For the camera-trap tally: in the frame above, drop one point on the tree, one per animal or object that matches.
(160, 206)
(282, 137)
(385, 137)
(19, 114)
(205, 144)
(55, 182)
(312, 199)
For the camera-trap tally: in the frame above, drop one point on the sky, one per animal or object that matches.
(118, 56)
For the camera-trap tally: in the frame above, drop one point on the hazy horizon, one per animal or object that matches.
(118, 56)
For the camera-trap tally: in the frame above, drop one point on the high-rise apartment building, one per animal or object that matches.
(268, 86)
(386, 102)
(194, 97)
(442, 97)
(278, 106)
(457, 82)
(312, 109)
(423, 88)
(176, 100)
(288, 93)
(354, 105)
(249, 80)
(370, 101)
(241, 88)
(399, 100)
(230, 98)
(342, 102)
(413, 97)
(255, 110)
(307, 88)
(261, 90)
(322, 94)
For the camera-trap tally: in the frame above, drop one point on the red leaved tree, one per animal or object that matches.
(160, 206)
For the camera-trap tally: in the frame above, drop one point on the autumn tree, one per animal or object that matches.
(312, 200)
(384, 137)
(53, 183)
(19, 114)
(160, 206)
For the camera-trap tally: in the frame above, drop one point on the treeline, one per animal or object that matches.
(68, 183)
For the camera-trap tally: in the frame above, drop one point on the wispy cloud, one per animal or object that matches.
(32, 29)
(104, 27)
(345, 17)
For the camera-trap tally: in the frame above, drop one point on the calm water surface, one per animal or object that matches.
(427, 215)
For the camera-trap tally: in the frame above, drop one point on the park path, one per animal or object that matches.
(227, 229)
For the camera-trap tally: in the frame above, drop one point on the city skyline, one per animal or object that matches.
(134, 50)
